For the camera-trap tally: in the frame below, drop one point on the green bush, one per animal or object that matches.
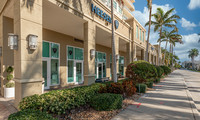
(166, 69)
(140, 61)
(10, 85)
(160, 71)
(106, 102)
(141, 88)
(157, 80)
(30, 115)
(9, 77)
(58, 101)
(149, 84)
(140, 72)
(10, 69)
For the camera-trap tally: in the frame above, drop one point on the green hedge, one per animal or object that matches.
(58, 101)
(160, 71)
(149, 84)
(166, 69)
(141, 88)
(30, 115)
(141, 71)
(106, 102)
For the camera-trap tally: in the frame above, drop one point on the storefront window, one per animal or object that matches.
(70, 52)
(54, 50)
(45, 49)
(100, 57)
(137, 32)
(104, 69)
(100, 64)
(78, 54)
(54, 72)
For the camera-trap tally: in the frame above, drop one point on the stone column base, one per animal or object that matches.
(27, 87)
(89, 79)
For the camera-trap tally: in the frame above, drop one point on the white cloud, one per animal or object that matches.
(190, 42)
(194, 4)
(187, 24)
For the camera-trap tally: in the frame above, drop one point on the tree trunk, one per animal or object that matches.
(192, 62)
(172, 57)
(159, 46)
(114, 71)
(169, 55)
(147, 49)
(165, 52)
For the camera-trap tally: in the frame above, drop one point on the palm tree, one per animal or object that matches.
(192, 54)
(175, 39)
(149, 4)
(114, 69)
(167, 37)
(163, 19)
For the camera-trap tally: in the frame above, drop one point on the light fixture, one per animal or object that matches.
(1, 51)
(12, 41)
(92, 53)
(117, 57)
(32, 41)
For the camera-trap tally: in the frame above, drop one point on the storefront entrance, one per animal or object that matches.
(75, 65)
(50, 64)
(100, 65)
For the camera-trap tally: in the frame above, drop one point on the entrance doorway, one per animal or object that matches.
(100, 70)
(46, 73)
(78, 72)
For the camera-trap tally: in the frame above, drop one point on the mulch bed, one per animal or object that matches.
(88, 113)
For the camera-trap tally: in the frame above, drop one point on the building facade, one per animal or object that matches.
(68, 32)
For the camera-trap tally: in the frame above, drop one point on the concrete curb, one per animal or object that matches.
(196, 113)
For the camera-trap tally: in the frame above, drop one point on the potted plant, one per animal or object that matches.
(9, 88)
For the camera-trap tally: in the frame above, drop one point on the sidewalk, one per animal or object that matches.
(6, 108)
(170, 101)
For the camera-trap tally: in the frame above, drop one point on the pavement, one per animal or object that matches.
(172, 99)
(6, 107)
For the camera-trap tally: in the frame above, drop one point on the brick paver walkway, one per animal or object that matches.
(6, 108)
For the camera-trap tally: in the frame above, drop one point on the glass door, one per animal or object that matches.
(46, 73)
(100, 70)
(78, 70)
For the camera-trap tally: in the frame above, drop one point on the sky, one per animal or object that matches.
(188, 24)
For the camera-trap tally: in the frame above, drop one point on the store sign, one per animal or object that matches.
(103, 15)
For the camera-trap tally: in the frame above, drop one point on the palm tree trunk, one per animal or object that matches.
(193, 62)
(114, 71)
(172, 57)
(169, 54)
(159, 46)
(165, 52)
(147, 49)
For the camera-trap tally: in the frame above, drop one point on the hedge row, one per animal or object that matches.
(58, 101)
(106, 101)
(31, 115)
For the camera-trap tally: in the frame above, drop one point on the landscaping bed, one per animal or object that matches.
(89, 113)
(97, 101)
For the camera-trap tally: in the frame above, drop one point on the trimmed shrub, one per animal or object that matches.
(140, 61)
(126, 88)
(166, 69)
(140, 72)
(30, 115)
(160, 71)
(129, 88)
(106, 102)
(58, 101)
(141, 88)
(157, 80)
(149, 84)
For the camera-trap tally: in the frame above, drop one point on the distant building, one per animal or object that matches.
(188, 65)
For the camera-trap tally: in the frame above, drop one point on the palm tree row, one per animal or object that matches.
(165, 19)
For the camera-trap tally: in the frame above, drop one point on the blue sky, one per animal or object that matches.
(188, 24)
